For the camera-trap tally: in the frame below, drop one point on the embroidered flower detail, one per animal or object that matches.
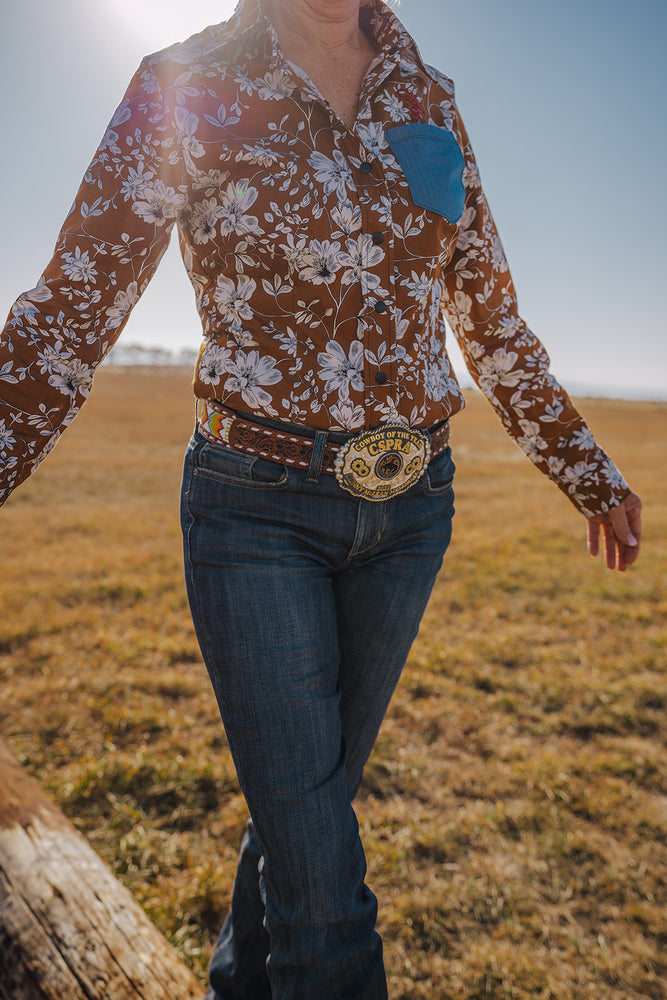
(342, 371)
(531, 441)
(133, 185)
(275, 86)
(159, 203)
(347, 218)
(576, 475)
(78, 266)
(7, 439)
(395, 107)
(213, 364)
(319, 262)
(187, 123)
(335, 175)
(232, 299)
(411, 102)
(204, 220)
(249, 372)
(361, 256)
(498, 369)
(27, 304)
(258, 154)
(583, 439)
(236, 201)
(612, 475)
(122, 305)
(72, 376)
(460, 308)
(419, 286)
(347, 416)
(53, 356)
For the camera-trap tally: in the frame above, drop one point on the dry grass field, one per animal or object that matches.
(514, 807)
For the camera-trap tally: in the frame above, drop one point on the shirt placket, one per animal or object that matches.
(375, 318)
(378, 315)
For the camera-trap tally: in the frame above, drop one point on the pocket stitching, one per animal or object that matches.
(441, 137)
(437, 490)
(252, 484)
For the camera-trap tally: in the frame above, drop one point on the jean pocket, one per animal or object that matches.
(226, 465)
(439, 475)
(432, 161)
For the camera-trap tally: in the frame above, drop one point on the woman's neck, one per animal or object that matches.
(321, 26)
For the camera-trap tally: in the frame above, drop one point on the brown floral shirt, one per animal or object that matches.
(324, 259)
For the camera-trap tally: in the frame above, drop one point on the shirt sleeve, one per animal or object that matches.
(510, 365)
(118, 228)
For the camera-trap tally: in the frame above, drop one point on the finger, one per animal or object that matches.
(618, 518)
(624, 557)
(593, 532)
(627, 524)
(609, 546)
(634, 513)
(629, 554)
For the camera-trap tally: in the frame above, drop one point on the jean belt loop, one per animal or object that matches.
(317, 457)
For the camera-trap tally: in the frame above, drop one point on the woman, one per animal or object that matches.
(330, 213)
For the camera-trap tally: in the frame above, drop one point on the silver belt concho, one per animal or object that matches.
(382, 463)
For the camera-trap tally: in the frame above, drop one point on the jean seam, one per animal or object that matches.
(354, 551)
(434, 491)
(249, 484)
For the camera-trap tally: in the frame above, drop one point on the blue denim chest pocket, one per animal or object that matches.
(432, 161)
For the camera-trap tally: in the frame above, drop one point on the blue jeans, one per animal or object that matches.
(305, 602)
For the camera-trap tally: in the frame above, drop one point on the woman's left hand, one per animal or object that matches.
(622, 530)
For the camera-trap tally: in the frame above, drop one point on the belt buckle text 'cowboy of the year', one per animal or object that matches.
(382, 463)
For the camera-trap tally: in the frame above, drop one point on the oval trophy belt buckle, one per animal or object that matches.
(382, 463)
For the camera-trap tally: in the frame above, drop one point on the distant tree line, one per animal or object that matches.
(144, 355)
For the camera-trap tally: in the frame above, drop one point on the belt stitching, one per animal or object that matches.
(275, 433)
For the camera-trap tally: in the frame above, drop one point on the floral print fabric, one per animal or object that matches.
(321, 284)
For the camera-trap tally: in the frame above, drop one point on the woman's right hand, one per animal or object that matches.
(622, 531)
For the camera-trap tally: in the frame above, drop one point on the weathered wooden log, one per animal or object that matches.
(68, 929)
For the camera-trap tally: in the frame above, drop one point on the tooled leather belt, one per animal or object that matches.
(219, 424)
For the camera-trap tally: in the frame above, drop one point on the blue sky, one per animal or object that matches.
(565, 105)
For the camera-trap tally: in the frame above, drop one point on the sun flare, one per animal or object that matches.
(161, 22)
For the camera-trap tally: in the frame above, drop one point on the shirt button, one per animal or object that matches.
(381, 378)
(378, 238)
(365, 167)
(380, 306)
